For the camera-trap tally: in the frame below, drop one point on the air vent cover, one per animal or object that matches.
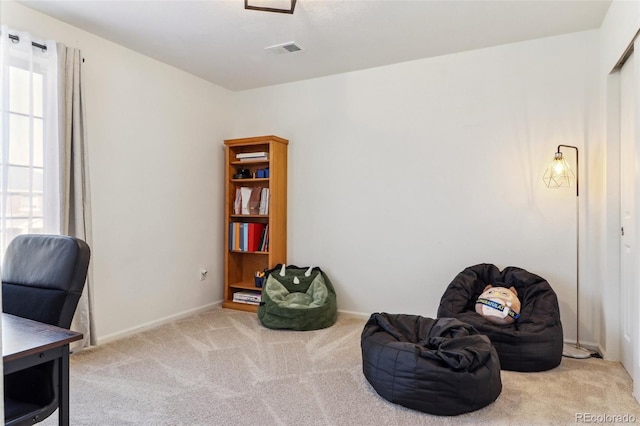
(288, 47)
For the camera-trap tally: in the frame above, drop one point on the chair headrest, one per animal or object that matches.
(61, 262)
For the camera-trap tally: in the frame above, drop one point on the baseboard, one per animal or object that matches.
(153, 324)
(604, 354)
(353, 314)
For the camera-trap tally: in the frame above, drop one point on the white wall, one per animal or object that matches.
(155, 145)
(401, 176)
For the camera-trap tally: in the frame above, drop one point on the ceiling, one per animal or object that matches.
(220, 41)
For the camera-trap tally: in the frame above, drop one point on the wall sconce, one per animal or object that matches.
(279, 6)
(558, 175)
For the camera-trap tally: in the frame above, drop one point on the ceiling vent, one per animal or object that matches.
(288, 47)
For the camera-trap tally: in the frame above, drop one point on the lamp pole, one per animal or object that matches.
(578, 352)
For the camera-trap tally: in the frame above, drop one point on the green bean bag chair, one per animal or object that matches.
(297, 299)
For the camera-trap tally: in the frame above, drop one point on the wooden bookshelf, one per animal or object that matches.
(241, 265)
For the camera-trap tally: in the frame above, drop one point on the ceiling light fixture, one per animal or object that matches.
(279, 6)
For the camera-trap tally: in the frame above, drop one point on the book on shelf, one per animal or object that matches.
(263, 207)
(254, 230)
(251, 200)
(237, 203)
(244, 237)
(253, 159)
(264, 241)
(245, 197)
(254, 200)
(236, 235)
(248, 236)
(251, 155)
(250, 297)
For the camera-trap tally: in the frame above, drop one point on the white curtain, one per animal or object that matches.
(29, 160)
(44, 181)
(75, 203)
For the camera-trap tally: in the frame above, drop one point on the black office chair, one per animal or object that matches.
(42, 279)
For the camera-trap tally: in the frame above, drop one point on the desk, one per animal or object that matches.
(26, 343)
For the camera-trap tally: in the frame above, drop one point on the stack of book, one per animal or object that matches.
(251, 200)
(250, 297)
(252, 156)
(244, 236)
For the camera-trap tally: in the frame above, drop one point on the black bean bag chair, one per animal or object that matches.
(534, 341)
(297, 298)
(443, 367)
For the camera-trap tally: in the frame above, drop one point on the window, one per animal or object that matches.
(29, 184)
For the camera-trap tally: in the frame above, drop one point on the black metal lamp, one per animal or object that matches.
(559, 175)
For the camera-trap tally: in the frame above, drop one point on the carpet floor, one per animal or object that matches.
(222, 367)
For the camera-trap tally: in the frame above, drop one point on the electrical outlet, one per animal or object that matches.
(203, 274)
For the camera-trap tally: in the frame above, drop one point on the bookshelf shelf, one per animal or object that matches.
(250, 252)
(240, 306)
(245, 286)
(241, 264)
(252, 162)
(250, 180)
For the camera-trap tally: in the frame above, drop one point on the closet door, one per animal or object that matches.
(629, 186)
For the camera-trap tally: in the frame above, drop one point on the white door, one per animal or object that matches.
(629, 259)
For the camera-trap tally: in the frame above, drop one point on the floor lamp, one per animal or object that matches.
(558, 175)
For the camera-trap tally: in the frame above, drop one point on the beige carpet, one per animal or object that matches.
(223, 368)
